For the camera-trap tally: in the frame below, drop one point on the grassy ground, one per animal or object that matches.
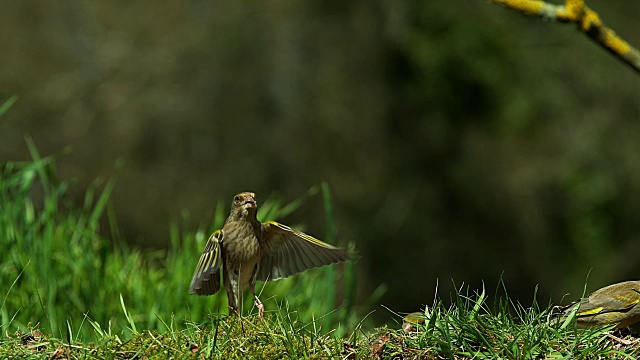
(467, 330)
(69, 293)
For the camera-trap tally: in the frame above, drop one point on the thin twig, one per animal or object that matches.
(588, 21)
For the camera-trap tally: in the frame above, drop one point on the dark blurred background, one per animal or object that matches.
(461, 140)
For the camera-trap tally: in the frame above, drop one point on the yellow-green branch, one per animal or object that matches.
(588, 21)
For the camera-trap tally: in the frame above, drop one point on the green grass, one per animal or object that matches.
(469, 329)
(7, 103)
(59, 271)
(70, 292)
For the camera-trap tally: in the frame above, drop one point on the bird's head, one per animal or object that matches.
(244, 204)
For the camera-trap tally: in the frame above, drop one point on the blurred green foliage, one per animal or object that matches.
(460, 139)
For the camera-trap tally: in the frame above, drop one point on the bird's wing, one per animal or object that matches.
(286, 252)
(206, 278)
(618, 301)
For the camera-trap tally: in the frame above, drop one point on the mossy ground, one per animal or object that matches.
(444, 334)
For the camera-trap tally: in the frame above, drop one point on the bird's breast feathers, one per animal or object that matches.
(240, 243)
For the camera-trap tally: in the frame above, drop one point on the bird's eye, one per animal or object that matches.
(237, 198)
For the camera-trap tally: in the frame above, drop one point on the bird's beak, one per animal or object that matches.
(249, 203)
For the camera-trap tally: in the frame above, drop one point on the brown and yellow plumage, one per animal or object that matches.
(614, 304)
(247, 251)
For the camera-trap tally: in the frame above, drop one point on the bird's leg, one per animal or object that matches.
(256, 301)
(232, 293)
(233, 300)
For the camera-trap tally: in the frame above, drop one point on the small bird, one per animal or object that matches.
(411, 321)
(614, 304)
(248, 251)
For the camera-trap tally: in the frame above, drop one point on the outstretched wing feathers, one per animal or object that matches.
(206, 278)
(287, 252)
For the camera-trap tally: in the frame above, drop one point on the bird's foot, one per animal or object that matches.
(620, 340)
(260, 307)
